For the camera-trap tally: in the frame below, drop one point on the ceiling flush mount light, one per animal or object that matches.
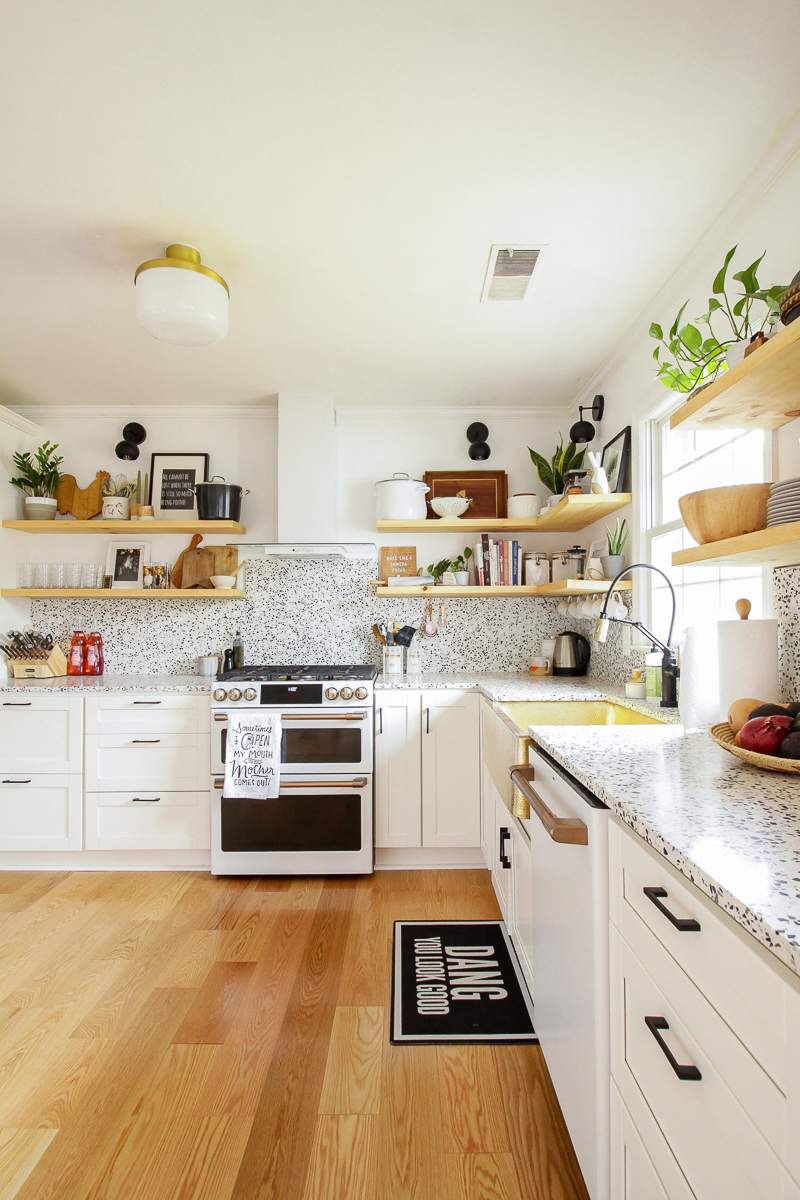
(179, 300)
(583, 431)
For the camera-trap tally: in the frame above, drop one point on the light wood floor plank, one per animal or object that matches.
(342, 1160)
(483, 1177)
(472, 1109)
(209, 1019)
(352, 1072)
(411, 1148)
(46, 1098)
(20, 1150)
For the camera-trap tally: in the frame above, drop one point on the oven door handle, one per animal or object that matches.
(361, 782)
(335, 716)
(560, 829)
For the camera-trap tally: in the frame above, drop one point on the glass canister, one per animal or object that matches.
(537, 568)
(393, 660)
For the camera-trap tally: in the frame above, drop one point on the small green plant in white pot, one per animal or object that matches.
(613, 562)
(38, 479)
(460, 566)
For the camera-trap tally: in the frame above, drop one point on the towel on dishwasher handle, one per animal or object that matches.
(253, 755)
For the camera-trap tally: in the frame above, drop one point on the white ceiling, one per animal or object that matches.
(347, 166)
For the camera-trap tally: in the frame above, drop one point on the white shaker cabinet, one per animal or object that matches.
(41, 760)
(427, 768)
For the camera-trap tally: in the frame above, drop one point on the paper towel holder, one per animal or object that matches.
(743, 609)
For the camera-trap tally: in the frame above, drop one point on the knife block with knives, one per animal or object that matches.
(54, 665)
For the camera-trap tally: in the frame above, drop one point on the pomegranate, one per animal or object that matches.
(765, 734)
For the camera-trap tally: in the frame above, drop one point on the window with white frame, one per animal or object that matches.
(688, 460)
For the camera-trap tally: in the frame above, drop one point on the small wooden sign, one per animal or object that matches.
(398, 560)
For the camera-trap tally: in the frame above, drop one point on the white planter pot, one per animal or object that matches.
(735, 353)
(462, 578)
(40, 508)
(524, 506)
(401, 499)
(116, 508)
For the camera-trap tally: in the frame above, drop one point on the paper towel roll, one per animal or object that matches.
(748, 662)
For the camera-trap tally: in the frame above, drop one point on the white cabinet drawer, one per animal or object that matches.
(642, 1165)
(147, 821)
(746, 991)
(41, 734)
(716, 1144)
(145, 712)
(40, 812)
(129, 762)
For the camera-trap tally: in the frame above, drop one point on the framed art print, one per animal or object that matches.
(172, 483)
(616, 461)
(125, 563)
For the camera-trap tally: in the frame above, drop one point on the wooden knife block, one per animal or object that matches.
(40, 668)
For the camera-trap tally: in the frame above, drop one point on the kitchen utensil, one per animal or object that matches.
(177, 570)
(524, 506)
(401, 498)
(223, 582)
(617, 608)
(40, 575)
(571, 655)
(587, 607)
(218, 500)
(378, 634)
(405, 635)
(430, 629)
(116, 508)
(724, 736)
(725, 512)
(450, 506)
(441, 624)
(207, 664)
(562, 607)
(24, 575)
(540, 666)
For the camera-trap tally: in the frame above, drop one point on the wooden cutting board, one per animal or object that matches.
(200, 565)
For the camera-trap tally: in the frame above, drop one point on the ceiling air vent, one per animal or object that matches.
(509, 272)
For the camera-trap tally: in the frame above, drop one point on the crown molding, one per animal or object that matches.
(13, 419)
(126, 412)
(463, 412)
(762, 179)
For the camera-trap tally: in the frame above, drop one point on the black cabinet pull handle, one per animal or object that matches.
(682, 1070)
(16, 704)
(145, 741)
(15, 782)
(147, 702)
(685, 924)
(145, 799)
(504, 859)
(427, 720)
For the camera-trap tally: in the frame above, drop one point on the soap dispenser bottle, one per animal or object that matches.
(238, 649)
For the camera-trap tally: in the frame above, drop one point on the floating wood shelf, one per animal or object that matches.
(760, 392)
(143, 529)
(775, 547)
(125, 593)
(569, 515)
(562, 587)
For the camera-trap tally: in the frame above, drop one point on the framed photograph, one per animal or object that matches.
(172, 481)
(616, 461)
(487, 489)
(125, 563)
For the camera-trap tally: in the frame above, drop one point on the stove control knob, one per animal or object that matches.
(219, 694)
(331, 693)
(346, 693)
(234, 694)
(250, 693)
(361, 693)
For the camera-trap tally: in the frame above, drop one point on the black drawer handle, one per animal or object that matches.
(15, 782)
(684, 924)
(145, 799)
(504, 859)
(682, 1070)
(145, 741)
(17, 703)
(147, 702)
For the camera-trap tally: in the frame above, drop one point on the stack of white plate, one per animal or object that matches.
(784, 502)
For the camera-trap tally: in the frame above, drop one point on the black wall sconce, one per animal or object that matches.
(477, 433)
(583, 431)
(132, 437)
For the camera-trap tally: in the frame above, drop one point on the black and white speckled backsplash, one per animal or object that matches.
(317, 610)
(786, 601)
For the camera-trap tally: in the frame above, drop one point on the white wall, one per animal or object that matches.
(16, 434)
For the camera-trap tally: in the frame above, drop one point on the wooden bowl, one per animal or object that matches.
(724, 736)
(725, 512)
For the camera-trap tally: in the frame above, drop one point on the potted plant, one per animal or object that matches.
(613, 562)
(566, 458)
(38, 479)
(460, 566)
(689, 358)
(437, 570)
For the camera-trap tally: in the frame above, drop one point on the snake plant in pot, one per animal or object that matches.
(613, 562)
(566, 458)
(38, 479)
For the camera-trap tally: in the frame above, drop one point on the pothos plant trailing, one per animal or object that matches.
(689, 357)
(566, 458)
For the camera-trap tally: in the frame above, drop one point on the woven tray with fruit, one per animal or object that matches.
(764, 735)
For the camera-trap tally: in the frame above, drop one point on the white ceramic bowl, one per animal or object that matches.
(225, 582)
(450, 506)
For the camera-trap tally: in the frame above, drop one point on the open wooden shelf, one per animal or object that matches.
(142, 529)
(125, 593)
(775, 547)
(760, 392)
(562, 587)
(569, 515)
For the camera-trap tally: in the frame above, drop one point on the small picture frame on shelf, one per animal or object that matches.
(125, 563)
(616, 461)
(172, 482)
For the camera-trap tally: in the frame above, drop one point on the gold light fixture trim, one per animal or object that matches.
(178, 255)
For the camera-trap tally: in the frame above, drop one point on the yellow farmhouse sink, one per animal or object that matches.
(572, 712)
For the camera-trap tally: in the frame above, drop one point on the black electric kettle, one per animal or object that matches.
(571, 654)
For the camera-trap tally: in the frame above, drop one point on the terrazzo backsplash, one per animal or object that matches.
(318, 610)
(786, 605)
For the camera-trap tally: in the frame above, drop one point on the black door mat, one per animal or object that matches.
(458, 982)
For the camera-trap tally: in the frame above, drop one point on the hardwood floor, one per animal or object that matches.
(169, 1036)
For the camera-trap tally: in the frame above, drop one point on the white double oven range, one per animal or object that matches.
(322, 820)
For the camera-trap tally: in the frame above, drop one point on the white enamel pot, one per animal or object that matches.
(401, 499)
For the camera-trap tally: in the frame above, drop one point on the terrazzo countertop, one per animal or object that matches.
(731, 829)
(111, 683)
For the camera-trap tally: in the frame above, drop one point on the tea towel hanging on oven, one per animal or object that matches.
(253, 755)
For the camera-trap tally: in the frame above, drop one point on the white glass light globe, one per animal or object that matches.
(181, 306)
